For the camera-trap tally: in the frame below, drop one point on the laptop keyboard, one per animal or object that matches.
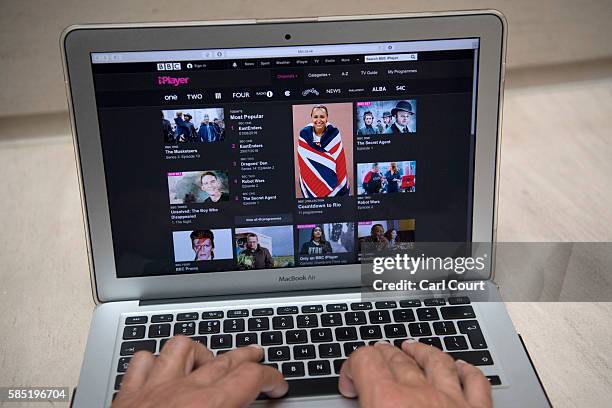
(309, 343)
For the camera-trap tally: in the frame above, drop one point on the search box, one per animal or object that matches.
(391, 57)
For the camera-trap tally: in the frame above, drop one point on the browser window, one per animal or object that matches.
(258, 158)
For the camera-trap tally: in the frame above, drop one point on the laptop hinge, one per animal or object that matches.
(287, 20)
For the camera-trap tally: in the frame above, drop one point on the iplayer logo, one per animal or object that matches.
(174, 81)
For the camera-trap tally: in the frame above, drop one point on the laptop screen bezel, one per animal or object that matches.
(79, 42)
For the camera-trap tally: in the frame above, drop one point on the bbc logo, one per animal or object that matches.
(168, 66)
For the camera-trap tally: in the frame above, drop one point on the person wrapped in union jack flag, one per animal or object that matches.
(321, 158)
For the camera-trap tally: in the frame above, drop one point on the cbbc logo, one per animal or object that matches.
(168, 80)
(168, 66)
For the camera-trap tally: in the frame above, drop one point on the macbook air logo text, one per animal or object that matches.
(296, 278)
(168, 80)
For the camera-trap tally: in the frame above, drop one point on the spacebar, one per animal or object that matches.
(309, 387)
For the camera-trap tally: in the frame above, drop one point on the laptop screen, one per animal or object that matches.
(279, 157)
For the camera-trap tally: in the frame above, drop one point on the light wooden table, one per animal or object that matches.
(555, 185)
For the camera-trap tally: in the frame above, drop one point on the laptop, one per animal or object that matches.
(231, 172)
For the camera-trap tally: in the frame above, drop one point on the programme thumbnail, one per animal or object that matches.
(386, 117)
(386, 234)
(386, 177)
(326, 239)
(264, 247)
(323, 150)
(207, 186)
(202, 245)
(193, 125)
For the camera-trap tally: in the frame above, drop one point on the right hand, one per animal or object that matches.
(417, 375)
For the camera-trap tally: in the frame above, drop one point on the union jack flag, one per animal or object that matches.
(322, 165)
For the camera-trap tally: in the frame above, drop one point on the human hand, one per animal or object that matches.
(418, 375)
(186, 374)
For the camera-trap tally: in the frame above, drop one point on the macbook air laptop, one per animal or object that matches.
(231, 170)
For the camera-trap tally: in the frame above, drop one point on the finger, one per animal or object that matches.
(250, 378)
(403, 367)
(476, 387)
(364, 367)
(175, 360)
(138, 371)
(223, 364)
(439, 367)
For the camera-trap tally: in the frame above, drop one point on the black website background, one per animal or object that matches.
(136, 170)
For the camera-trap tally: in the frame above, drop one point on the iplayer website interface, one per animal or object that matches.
(259, 158)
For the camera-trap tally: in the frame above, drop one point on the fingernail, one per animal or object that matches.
(410, 340)
(460, 362)
(381, 342)
(257, 346)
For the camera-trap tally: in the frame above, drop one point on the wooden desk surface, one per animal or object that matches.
(555, 185)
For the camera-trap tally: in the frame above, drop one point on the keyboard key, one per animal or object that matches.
(320, 367)
(336, 307)
(162, 318)
(233, 325)
(395, 330)
(410, 303)
(352, 346)
(259, 323)
(444, 328)
(329, 350)
(271, 338)
(389, 304)
(221, 341)
(338, 365)
(122, 366)
(309, 320)
(434, 302)
(403, 315)
(361, 306)
(133, 332)
(221, 352)
(453, 343)
(136, 319)
(331, 319)
(282, 322)
(320, 335)
(118, 381)
(379, 316)
(209, 327)
(217, 314)
(494, 379)
(398, 342)
(357, 318)
(267, 311)
(458, 300)
(244, 339)
(432, 341)
(370, 332)
(427, 313)
(238, 313)
(278, 353)
(419, 329)
(159, 330)
(181, 317)
(477, 358)
(284, 310)
(308, 387)
(346, 333)
(457, 312)
(130, 347)
(472, 329)
(305, 352)
(312, 309)
(293, 369)
(200, 339)
(296, 336)
(186, 328)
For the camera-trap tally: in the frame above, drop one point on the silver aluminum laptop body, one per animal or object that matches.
(120, 297)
